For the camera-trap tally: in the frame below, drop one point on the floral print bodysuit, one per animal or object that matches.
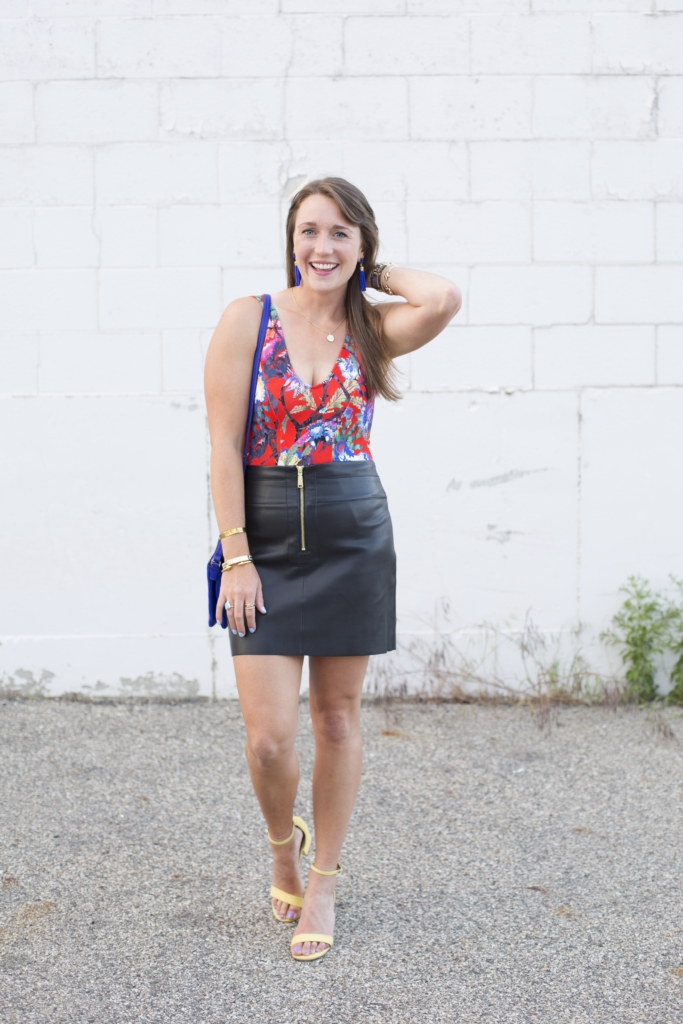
(298, 424)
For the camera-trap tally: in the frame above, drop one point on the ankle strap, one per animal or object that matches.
(281, 842)
(319, 872)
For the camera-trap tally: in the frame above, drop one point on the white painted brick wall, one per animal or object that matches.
(591, 356)
(397, 171)
(182, 360)
(44, 175)
(472, 232)
(520, 170)
(539, 295)
(128, 235)
(230, 108)
(359, 107)
(16, 237)
(107, 111)
(670, 354)
(598, 232)
(43, 300)
(544, 45)
(16, 112)
(64, 236)
(455, 108)
(532, 150)
(406, 46)
(158, 47)
(156, 172)
(474, 358)
(669, 220)
(157, 298)
(670, 108)
(18, 364)
(641, 295)
(599, 107)
(86, 363)
(225, 235)
(640, 45)
(47, 48)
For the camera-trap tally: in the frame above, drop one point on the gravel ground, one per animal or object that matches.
(494, 870)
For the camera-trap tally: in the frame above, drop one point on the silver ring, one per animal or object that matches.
(228, 606)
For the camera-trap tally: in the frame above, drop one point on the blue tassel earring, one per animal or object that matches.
(297, 272)
(362, 274)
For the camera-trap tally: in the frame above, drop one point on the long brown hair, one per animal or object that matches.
(365, 322)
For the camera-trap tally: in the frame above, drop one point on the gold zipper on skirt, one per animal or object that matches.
(300, 485)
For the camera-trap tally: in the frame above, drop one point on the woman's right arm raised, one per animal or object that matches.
(227, 377)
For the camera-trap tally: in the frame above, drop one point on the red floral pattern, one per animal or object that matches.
(302, 424)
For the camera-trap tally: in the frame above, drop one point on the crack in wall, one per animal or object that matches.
(506, 478)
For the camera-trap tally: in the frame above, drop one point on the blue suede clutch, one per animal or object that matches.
(213, 569)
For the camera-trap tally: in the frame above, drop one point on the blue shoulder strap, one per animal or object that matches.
(213, 569)
(265, 318)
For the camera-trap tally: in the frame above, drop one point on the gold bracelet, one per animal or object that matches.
(229, 533)
(240, 560)
(375, 276)
(387, 274)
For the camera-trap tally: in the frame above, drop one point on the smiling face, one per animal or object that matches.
(327, 247)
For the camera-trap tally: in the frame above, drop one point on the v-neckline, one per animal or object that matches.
(289, 358)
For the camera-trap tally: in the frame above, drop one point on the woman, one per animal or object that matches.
(311, 513)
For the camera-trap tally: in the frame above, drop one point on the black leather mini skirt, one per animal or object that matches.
(323, 546)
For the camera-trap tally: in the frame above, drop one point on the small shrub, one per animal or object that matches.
(642, 628)
(675, 694)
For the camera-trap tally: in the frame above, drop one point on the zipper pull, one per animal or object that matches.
(300, 476)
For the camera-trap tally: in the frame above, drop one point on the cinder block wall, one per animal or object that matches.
(532, 150)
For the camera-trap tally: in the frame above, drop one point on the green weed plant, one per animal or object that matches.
(646, 626)
(441, 666)
(675, 694)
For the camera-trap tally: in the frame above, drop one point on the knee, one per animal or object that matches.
(267, 750)
(337, 725)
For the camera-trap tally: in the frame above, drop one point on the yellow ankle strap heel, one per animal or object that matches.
(299, 940)
(318, 871)
(280, 894)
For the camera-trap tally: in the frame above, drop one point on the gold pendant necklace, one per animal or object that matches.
(330, 336)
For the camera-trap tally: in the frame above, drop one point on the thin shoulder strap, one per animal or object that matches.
(265, 319)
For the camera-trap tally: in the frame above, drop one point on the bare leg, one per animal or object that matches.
(335, 691)
(268, 687)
